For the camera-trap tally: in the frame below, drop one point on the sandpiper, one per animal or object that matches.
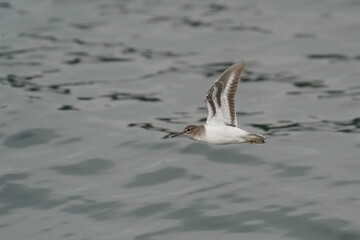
(221, 123)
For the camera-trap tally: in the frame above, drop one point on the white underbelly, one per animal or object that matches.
(223, 135)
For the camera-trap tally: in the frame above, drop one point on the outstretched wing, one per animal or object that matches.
(220, 98)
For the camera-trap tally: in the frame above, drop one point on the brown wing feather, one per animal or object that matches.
(220, 85)
(235, 69)
(232, 96)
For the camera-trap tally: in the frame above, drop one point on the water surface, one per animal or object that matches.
(91, 90)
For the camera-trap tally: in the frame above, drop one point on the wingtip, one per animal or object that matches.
(240, 64)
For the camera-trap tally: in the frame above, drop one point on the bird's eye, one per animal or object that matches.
(188, 129)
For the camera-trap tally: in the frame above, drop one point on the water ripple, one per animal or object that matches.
(132, 96)
(345, 126)
(160, 176)
(193, 218)
(333, 57)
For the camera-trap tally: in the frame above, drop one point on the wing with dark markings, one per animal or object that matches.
(220, 98)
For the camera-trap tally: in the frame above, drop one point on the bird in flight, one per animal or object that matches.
(221, 123)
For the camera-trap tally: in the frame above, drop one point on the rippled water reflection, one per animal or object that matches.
(91, 90)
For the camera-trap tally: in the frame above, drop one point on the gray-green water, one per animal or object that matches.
(91, 89)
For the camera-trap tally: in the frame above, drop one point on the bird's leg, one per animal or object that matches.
(255, 138)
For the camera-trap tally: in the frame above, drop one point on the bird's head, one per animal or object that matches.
(190, 131)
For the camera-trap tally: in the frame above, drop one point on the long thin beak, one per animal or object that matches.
(177, 134)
